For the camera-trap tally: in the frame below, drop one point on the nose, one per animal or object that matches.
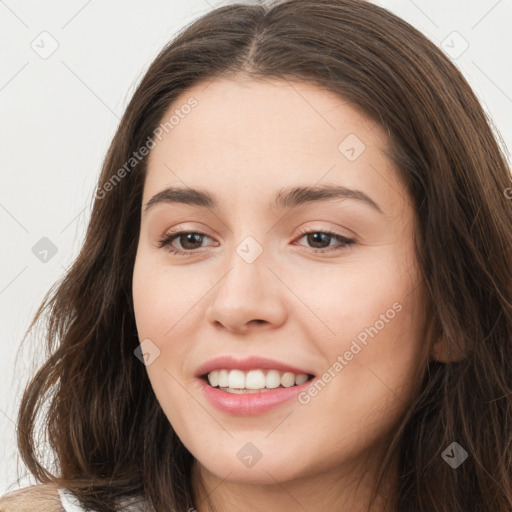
(248, 296)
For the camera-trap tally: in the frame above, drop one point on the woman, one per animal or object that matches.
(265, 367)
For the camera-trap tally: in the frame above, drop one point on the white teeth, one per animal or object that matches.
(254, 380)
(272, 379)
(300, 379)
(213, 379)
(237, 381)
(245, 391)
(288, 379)
(223, 378)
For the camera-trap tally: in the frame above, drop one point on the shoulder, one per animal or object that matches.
(34, 498)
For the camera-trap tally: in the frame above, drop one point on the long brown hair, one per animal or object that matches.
(108, 432)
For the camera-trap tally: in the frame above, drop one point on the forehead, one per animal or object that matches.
(252, 112)
(253, 137)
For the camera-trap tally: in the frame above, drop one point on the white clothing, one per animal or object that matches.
(71, 504)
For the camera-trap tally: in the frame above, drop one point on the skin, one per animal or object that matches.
(245, 141)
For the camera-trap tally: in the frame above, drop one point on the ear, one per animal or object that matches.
(445, 351)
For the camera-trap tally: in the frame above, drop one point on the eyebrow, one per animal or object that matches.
(285, 198)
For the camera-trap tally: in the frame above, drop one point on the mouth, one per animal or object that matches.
(253, 381)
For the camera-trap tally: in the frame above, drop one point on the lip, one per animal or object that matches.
(250, 404)
(246, 364)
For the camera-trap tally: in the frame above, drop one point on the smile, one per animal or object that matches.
(253, 381)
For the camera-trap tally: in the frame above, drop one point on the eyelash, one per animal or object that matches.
(170, 236)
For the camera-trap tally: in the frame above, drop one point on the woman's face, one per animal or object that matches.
(263, 279)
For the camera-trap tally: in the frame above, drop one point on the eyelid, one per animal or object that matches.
(334, 232)
(170, 235)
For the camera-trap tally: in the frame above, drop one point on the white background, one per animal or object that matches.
(59, 114)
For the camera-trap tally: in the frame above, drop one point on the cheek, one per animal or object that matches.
(162, 295)
(374, 349)
(369, 380)
(166, 312)
(363, 298)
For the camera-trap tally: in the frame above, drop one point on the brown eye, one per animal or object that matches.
(319, 241)
(189, 241)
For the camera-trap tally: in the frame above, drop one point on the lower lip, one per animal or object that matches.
(250, 404)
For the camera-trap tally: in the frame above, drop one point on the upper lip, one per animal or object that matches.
(249, 363)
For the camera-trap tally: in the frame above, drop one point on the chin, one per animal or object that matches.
(241, 463)
(262, 473)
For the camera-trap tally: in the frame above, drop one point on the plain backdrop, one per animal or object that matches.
(67, 71)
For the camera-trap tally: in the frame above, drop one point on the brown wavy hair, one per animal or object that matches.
(108, 433)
